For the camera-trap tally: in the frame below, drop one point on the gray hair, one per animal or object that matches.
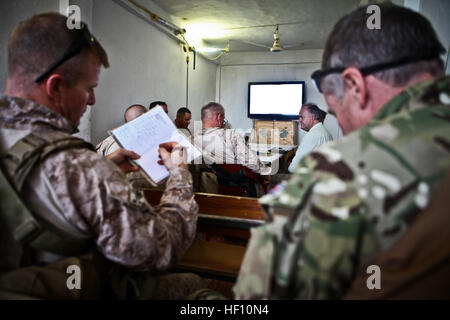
(404, 33)
(211, 108)
(315, 111)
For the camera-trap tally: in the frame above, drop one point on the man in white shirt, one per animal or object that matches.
(311, 120)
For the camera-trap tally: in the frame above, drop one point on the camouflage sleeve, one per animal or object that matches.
(316, 236)
(95, 196)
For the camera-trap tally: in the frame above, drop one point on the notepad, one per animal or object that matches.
(143, 136)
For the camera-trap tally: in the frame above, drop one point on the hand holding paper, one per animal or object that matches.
(172, 155)
(120, 158)
(145, 134)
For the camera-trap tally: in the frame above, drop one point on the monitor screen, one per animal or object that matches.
(275, 100)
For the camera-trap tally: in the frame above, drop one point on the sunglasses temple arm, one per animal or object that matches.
(67, 55)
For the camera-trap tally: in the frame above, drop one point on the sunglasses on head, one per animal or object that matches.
(318, 75)
(83, 39)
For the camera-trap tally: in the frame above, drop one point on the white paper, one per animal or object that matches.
(143, 136)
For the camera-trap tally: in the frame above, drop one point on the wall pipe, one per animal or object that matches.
(143, 14)
(154, 17)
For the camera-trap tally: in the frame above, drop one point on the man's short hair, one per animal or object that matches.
(403, 33)
(38, 42)
(315, 111)
(182, 111)
(211, 108)
(155, 103)
(144, 109)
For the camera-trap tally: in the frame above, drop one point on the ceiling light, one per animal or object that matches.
(197, 32)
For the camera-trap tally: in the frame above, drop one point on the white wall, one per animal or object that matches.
(146, 65)
(238, 69)
(438, 11)
(11, 13)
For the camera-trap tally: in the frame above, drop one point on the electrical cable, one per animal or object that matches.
(266, 25)
(215, 57)
(154, 17)
(187, 81)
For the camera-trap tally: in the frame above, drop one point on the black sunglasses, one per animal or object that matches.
(318, 75)
(83, 38)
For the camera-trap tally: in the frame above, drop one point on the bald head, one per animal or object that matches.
(134, 111)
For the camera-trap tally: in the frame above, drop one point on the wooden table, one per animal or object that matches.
(223, 231)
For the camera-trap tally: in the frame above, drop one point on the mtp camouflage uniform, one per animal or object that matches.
(350, 200)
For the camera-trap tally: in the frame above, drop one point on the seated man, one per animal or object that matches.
(311, 120)
(183, 120)
(109, 145)
(162, 104)
(62, 199)
(223, 147)
(352, 200)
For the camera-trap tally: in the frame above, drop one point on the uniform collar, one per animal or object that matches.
(19, 113)
(421, 91)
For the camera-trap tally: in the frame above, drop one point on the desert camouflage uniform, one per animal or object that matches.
(107, 146)
(137, 178)
(93, 196)
(350, 200)
(227, 146)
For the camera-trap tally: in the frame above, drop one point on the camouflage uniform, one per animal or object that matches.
(227, 146)
(107, 146)
(92, 195)
(185, 131)
(350, 200)
(137, 179)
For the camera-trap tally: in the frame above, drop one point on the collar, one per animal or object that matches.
(211, 129)
(19, 113)
(426, 91)
(316, 126)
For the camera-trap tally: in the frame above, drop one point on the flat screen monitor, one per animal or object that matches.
(275, 100)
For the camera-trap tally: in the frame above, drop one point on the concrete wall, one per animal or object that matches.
(11, 13)
(438, 11)
(238, 69)
(146, 65)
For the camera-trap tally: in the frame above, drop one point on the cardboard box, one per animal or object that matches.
(263, 132)
(276, 132)
(286, 132)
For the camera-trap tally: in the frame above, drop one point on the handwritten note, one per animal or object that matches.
(144, 134)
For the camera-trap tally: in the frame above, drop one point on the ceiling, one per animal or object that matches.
(303, 23)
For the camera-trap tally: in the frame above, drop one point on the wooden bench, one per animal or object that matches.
(223, 231)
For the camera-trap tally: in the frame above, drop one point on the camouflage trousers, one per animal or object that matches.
(98, 281)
